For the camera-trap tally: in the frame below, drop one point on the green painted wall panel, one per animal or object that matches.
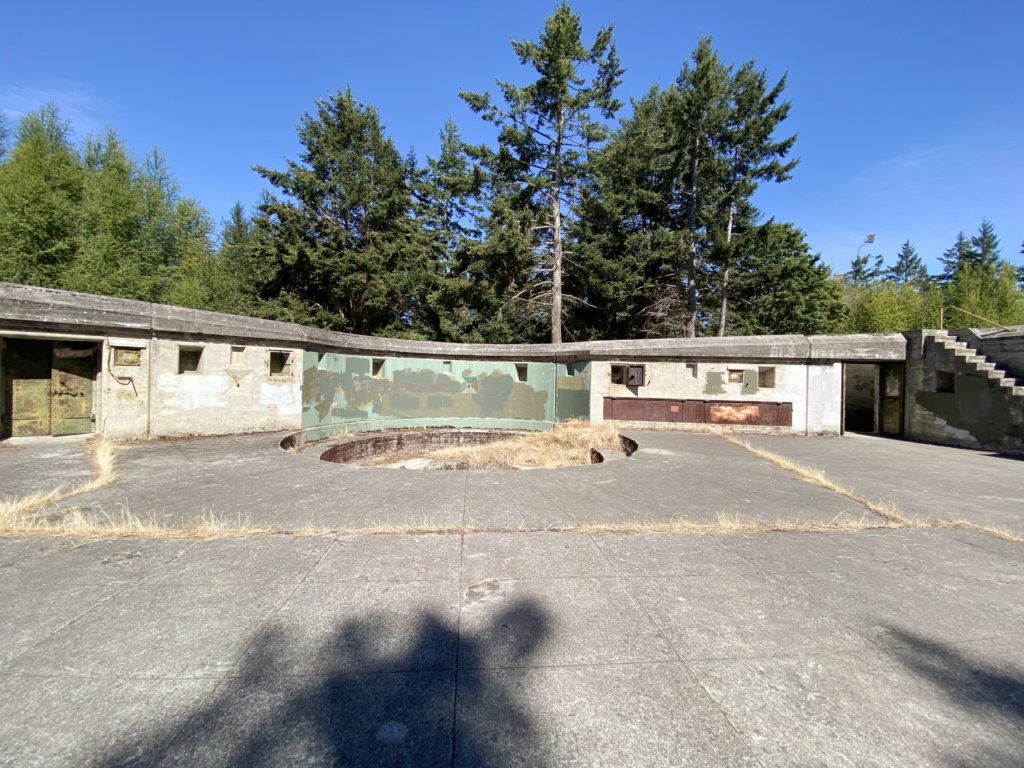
(338, 388)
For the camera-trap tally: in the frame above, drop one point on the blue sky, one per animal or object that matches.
(909, 114)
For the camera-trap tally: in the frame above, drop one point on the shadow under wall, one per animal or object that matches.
(349, 703)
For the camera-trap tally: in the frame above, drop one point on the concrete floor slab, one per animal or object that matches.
(32, 612)
(326, 628)
(882, 603)
(371, 720)
(60, 722)
(925, 481)
(738, 615)
(434, 557)
(87, 563)
(35, 464)
(595, 715)
(142, 643)
(556, 621)
(668, 554)
(858, 709)
(261, 559)
(888, 647)
(531, 555)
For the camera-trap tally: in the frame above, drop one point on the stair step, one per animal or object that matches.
(1018, 391)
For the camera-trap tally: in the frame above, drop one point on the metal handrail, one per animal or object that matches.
(942, 317)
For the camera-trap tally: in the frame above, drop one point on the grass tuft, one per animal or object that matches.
(814, 476)
(20, 510)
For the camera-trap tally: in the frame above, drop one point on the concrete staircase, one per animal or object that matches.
(976, 363)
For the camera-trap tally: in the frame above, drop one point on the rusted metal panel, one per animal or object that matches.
(74, 367)
(698, 411)
(753, 414)
(642, 409)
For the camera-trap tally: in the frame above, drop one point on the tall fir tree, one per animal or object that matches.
(908, 268)
(340, 247)
(750, 155)
(955, 257)
(548, 130)
(985, 249)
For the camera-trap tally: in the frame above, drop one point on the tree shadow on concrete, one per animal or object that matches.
(986, 692)
(349, 703)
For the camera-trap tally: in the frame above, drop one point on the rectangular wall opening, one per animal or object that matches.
(377, 367)
(280, 363)
(189, 359)
(521, 372)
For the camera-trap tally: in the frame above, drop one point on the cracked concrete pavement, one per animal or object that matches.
(868, 648)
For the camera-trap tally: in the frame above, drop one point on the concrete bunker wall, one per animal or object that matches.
(166, 371)
(789, 397)
(950, 401)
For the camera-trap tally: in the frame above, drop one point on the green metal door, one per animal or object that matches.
(27, 381)
(892, 399)
(74, 366)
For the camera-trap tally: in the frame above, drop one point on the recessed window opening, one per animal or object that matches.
(377, 368)
(766, 378)
(189, 359)
(238, 356)
(280, 363)
(735, 375)
(446, 366)
(945, 381)
(521, 371)
(629, 375)
(691, 370)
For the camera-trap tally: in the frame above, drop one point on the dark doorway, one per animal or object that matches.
(47, 387)
(873, 398)
(859, 397)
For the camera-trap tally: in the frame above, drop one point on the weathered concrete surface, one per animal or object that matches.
(929, 482)
(247, 478)
(30, 464)
(883, 648)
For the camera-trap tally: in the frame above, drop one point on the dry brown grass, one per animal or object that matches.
(568, 444)
(22, 509)
(815, 476)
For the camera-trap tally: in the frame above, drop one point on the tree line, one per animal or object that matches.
(974, 278)
(578, 221)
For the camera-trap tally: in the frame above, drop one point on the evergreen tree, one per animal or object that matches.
(909, 268)
(40, 194)
(984, 251)
(955, 257)
(340, 249)
(750, 155)
(548, 129)
(781, 287)
(449, 211)
(698, 112)
(865, 270)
